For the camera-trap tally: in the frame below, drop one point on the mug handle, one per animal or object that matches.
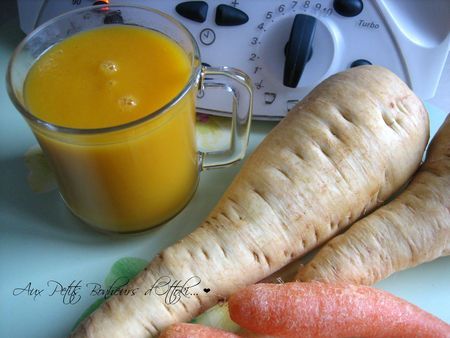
(239, 85)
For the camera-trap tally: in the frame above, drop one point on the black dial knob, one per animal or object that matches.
(298, 49)
(348, 7)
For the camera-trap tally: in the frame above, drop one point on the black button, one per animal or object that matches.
(348, 7)
(113, 17)
(193, 10)
(360, 62)
(230, 16)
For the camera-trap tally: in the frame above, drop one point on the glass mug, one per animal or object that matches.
(133, 176)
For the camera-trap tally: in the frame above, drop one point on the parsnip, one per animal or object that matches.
(412, 229)
(341, 152)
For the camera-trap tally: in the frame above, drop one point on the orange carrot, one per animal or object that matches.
(184, 330)
(330, 310)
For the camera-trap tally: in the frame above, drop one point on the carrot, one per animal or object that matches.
(184, 330)
(412, 229)
(330, 310)
(340, 153)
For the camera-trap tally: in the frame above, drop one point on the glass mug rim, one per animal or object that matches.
(195, 74)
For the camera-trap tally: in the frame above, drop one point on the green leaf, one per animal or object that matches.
(125, 268)
(88, 311)
(219, 317)
(213, 135)
(40, 176)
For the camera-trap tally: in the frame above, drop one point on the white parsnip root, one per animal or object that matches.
(412, 229)
(341, 152)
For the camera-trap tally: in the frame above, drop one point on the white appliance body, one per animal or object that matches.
(410, 37)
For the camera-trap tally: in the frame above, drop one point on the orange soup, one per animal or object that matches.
(126, 179)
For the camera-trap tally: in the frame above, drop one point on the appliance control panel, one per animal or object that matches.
(288, 47)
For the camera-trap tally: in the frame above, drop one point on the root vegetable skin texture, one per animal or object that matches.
(184, 330)
(341, 152)
(412, 229)
(330, 310)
